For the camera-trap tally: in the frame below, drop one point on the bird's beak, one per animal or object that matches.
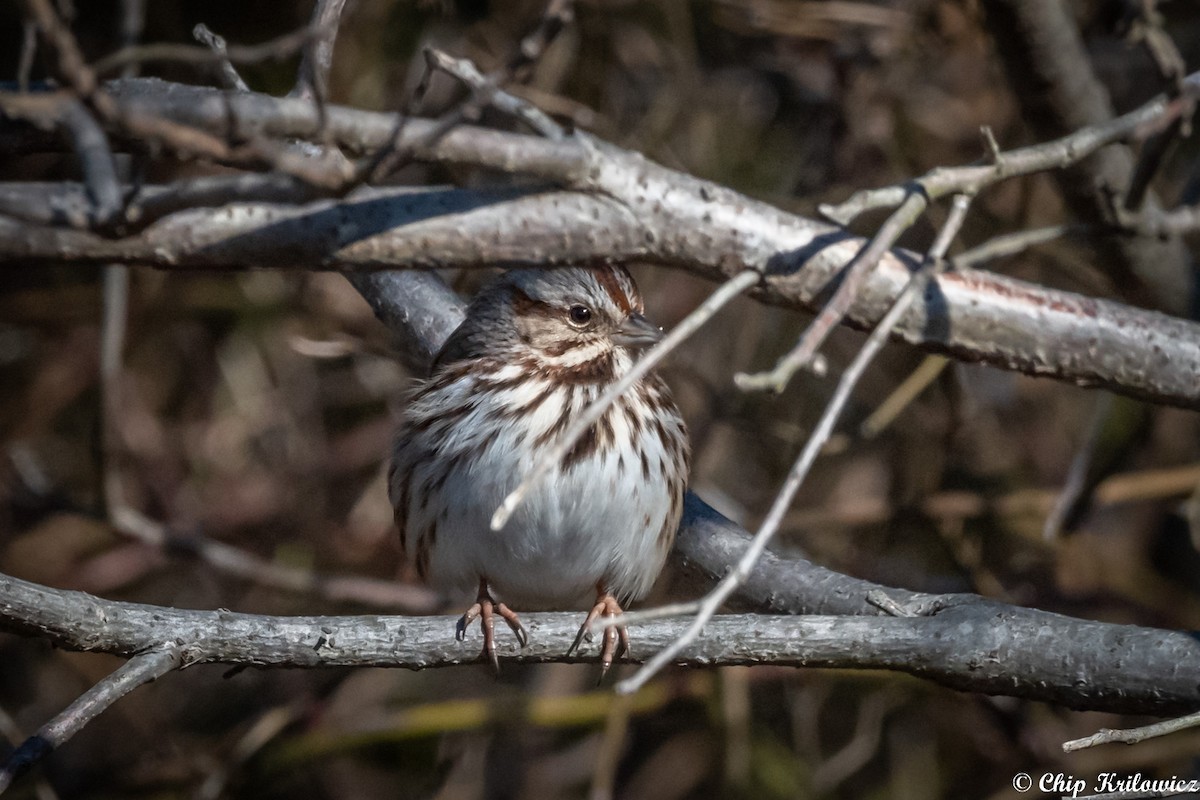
(637, 331)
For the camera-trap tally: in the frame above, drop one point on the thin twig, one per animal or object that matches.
(233, 561)
(904, 394)
(216, 43)
(612, 747)
(316, 62)
(835, 310)
(214, 52)
(557, 16)
(112, 341)
(1149, 27)
(28, 51)
(887, 604)
(137, 671)
(89, 143)
(186, 141)
(70, 65)
(1013, 243)
(1070, 149)
(1153, 154)
(96, 159)
(133, 23)
(1077, 474)
(1133, 735)
(708, 606)
(678, 335)
(486, 91)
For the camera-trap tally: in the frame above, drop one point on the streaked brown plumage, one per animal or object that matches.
(535, 349)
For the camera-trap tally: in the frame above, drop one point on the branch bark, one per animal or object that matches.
(971, 315)
(973, 645)
(625, 208)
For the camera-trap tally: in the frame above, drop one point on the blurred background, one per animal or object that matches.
(255, 410)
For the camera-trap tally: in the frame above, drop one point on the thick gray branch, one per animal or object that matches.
(973, 315)
(623, 208)
(977, 645)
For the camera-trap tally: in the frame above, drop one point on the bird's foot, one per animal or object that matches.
(616, 637)
(485, 610)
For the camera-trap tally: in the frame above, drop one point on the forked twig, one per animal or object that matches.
(1069, 149)
(485, 90)
(216, 44)
(836, 309)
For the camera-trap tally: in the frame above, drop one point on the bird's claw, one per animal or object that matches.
(485, 610)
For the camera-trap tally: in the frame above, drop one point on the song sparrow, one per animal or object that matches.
(535, 349)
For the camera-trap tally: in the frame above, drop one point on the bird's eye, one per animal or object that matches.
(579, 315)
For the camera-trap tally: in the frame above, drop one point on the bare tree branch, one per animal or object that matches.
(972, 645)
(142, 667)
(215, 52)
(653, 214)
(971, 315)
(317, 59)
(216, 43)
(1133, 735)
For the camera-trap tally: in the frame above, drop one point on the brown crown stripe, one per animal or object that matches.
(615, 280)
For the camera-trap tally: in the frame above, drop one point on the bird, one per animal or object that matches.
(535, 348)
